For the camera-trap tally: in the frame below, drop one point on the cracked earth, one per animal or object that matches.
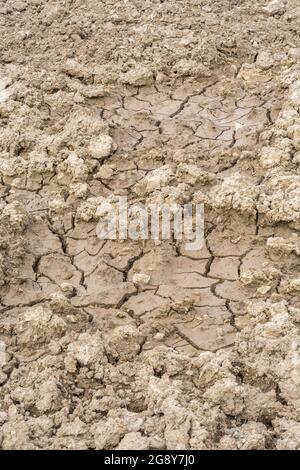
(108, 344)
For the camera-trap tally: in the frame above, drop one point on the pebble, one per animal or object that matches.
(140, 278)
(102, 147)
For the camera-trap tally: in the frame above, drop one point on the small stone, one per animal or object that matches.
(275, 7)
(264, 60)
(159, 336)
(102, 147)
(236, 240)
(263, 290)
(67, 289)
(140, 278)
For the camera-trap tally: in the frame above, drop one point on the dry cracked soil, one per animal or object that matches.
(123, 344)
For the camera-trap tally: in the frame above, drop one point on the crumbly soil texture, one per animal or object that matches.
(141, 344)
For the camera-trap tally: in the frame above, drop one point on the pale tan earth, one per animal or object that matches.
(139, 344)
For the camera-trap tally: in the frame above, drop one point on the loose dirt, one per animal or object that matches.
(108, 344)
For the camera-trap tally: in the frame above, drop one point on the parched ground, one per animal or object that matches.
(142, 344)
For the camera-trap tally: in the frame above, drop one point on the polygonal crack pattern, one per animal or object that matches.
(187, 115)
(192, 297)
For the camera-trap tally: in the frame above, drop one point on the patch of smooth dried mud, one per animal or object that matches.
(142, 344)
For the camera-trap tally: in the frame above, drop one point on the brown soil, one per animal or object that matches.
(162, 101)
